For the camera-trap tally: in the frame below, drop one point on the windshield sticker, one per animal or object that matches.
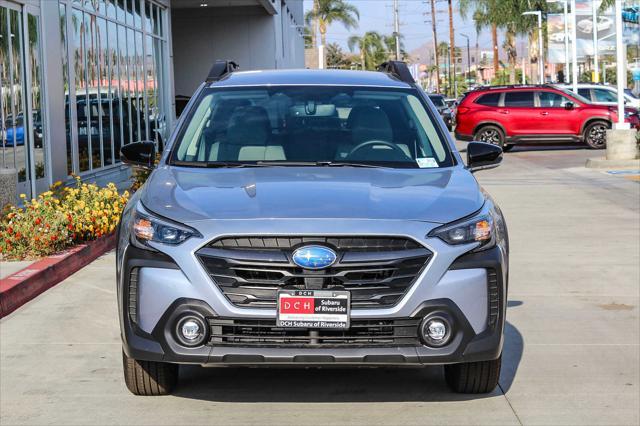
(426, 163)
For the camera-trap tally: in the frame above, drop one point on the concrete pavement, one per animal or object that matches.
(572, 341)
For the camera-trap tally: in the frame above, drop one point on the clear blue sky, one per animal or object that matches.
(377, 15)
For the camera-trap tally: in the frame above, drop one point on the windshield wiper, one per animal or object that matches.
(213, 164)
(348, 164)
(237, 164)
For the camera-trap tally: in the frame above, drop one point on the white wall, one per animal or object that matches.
(247, 35)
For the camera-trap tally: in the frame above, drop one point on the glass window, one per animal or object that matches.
(124, 85)
(604, 95)
(438, 101)
(104, 95)
(120, 10)
(111, 9)
(92, 104)
(518, 99)
(391, 128)
(585, 92)
(37, 134)
(552, 100)
(65, 78)
(490, 99)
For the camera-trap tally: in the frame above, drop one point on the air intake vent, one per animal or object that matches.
(362, 333)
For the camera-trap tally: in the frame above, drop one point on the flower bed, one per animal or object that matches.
(60, 218)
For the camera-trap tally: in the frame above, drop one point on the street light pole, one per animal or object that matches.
(468, 59)
(566, 42)
(574, 47)
(594, 23)
(621, 56)
(540, 52)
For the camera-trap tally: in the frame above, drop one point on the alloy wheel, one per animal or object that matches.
(597, 135)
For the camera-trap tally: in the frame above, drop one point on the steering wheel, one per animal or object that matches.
(372, 143)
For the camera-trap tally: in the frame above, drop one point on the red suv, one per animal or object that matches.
(509, 115)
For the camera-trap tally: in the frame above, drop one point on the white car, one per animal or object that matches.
(586, 25)
(604, 95)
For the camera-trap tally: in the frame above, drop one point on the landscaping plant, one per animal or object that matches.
(60, 218)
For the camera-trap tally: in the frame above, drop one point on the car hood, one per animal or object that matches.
(193, 194)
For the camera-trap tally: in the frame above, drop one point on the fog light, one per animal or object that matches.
(436, 331)
(190, 331)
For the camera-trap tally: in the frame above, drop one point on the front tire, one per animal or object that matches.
(490, 134)
(149, 378)
(473, 377)
(595, 134)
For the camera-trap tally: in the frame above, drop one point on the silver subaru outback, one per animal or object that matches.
(311, 218)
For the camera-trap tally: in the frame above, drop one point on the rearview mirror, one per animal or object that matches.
(569, 105)
(139, 154)
(483, 156)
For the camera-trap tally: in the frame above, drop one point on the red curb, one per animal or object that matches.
(24, 285)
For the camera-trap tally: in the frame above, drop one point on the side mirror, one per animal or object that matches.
(483, 156)
(569, 105)
(139, 154)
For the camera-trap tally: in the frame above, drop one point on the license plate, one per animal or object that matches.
(313, 309)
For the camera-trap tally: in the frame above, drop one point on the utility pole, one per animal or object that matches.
(435, 44)
(452, 43)
(396, 27)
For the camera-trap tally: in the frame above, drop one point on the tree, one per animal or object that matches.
(390, 44)
(371, 47)
(326, 12)
(336, 58)
(505, 14)
(486, 13)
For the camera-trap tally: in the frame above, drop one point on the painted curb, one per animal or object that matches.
(24, 285)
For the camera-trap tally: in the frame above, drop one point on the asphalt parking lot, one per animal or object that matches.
(572, 340)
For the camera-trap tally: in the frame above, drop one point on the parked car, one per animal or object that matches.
(603, 95)
(311, 218)
(443, 109)
(14, 132)
(510, 115)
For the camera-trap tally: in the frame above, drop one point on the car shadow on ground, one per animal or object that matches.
(383, 384)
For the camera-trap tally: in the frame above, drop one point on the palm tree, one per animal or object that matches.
(326, 12)
(390, 44)
(371, 47)
(505, 14)
(486, 13)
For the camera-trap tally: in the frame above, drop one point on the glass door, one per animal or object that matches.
(21, 113)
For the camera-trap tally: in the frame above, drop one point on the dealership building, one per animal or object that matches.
(81, 78)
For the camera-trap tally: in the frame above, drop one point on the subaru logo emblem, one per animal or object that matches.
(314, 257)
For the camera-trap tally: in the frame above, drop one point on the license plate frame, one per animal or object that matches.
(329, 309)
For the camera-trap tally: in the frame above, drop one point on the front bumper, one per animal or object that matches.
(455, 282)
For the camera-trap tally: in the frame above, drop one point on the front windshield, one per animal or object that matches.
(576, 96)
(299, 125)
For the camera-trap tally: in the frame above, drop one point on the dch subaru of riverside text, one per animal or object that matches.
(312, 218)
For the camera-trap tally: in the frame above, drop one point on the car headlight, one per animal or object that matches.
(148, 227)
(478, 229)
